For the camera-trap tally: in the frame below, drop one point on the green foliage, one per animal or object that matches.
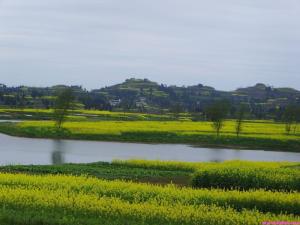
(291, 118)
(248, 178)
(160, 165)
(62, 104)
(265, 101)
(217, 113)
(108, 171)
(240, 119)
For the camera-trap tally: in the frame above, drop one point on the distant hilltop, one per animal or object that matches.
(143, 95)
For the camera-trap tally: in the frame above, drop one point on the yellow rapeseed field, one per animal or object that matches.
(53, 199)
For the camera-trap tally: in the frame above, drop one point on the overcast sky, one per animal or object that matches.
(94, 43)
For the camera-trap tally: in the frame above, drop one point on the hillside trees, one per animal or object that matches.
(176, 109)
(265, 102)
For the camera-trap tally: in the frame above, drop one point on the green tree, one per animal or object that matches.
(176, 109)
(62, 105)
(217, 113)
(290, 118)
(297, 118)
(240, 114)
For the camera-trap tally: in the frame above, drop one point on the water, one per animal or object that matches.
(11, 121)
(16, 150)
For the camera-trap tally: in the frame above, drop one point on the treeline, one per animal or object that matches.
(142, 95)
(218, 113)
(32, 97)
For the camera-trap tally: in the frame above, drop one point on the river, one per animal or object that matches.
(17, 150)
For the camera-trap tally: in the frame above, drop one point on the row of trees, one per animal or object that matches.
(218, 112)
(291, 118)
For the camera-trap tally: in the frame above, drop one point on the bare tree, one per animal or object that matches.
(63, 103)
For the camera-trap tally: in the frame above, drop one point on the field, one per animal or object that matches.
(84, 115)
(135, 192)
(104, 170)
(89, 194)
(255, 134)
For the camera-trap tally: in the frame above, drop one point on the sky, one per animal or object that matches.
(96, 43)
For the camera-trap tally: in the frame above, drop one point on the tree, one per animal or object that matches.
(176, 109)
(239, 119)
(217, 113)
(297, 118)
(290, 117)
(150, 93)
(63, 103)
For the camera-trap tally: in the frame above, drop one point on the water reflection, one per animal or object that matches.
(58, 153)
(216, 155)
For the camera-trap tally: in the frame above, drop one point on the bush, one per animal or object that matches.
(247, 178)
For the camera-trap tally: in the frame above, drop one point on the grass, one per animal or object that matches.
(256, 134)
(108, 171)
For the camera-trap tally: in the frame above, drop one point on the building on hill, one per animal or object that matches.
(115, 102)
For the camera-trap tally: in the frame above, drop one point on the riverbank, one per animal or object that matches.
(255, 135)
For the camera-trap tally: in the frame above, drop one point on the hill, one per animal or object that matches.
(143, 95)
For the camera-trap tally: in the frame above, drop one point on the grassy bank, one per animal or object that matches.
(255, 135)
(60, 197)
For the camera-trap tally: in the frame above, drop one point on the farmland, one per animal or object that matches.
(149, 112)
(150, 192)
(84, 115)
(256, 134)
(92, 196)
